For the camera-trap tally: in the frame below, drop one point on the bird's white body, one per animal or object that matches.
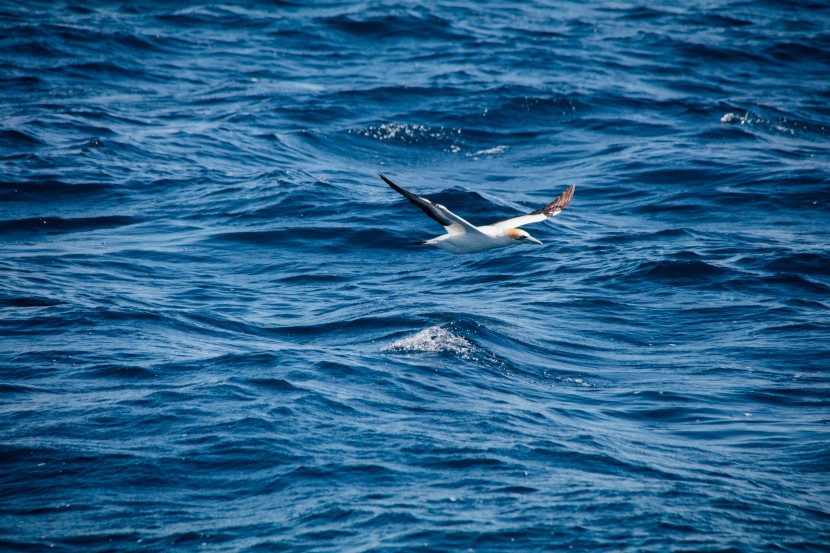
(462, 237)
(487, 238)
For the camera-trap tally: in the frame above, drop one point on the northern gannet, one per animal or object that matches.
(462, 237)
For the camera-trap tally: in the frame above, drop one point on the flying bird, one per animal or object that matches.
(463, 237)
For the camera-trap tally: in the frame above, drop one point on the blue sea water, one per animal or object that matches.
(216, 333)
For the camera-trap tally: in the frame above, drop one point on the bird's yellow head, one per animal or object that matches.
(521, 236)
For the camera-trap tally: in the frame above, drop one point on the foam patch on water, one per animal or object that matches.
(489, 152)
(434, 339)
(737, 118)
(576, 381)
(406, 133)
(750, 118)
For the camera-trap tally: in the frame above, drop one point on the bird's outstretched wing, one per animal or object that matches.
(446, 218)
(549, 210)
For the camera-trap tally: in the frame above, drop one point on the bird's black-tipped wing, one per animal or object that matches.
(446, 218)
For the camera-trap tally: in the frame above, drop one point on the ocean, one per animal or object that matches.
(217, 331)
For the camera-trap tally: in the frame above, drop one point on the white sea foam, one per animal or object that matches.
(749, 118)
(407, 133)
(434, 339)
(577, 381)
(736, 118)
(390, 131)
(489, 151)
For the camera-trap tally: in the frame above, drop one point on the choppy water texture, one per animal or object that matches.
(217, 334)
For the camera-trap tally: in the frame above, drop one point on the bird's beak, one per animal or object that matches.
(534, 240)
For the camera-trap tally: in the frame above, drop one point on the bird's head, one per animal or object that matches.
(519, 235)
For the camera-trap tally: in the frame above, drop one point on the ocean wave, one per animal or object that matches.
(448, 140)
(410, 25)
(791, 125)
(56, 225)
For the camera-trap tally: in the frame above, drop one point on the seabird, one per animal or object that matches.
(462, 237)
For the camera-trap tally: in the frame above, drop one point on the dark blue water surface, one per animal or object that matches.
(217, 334)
